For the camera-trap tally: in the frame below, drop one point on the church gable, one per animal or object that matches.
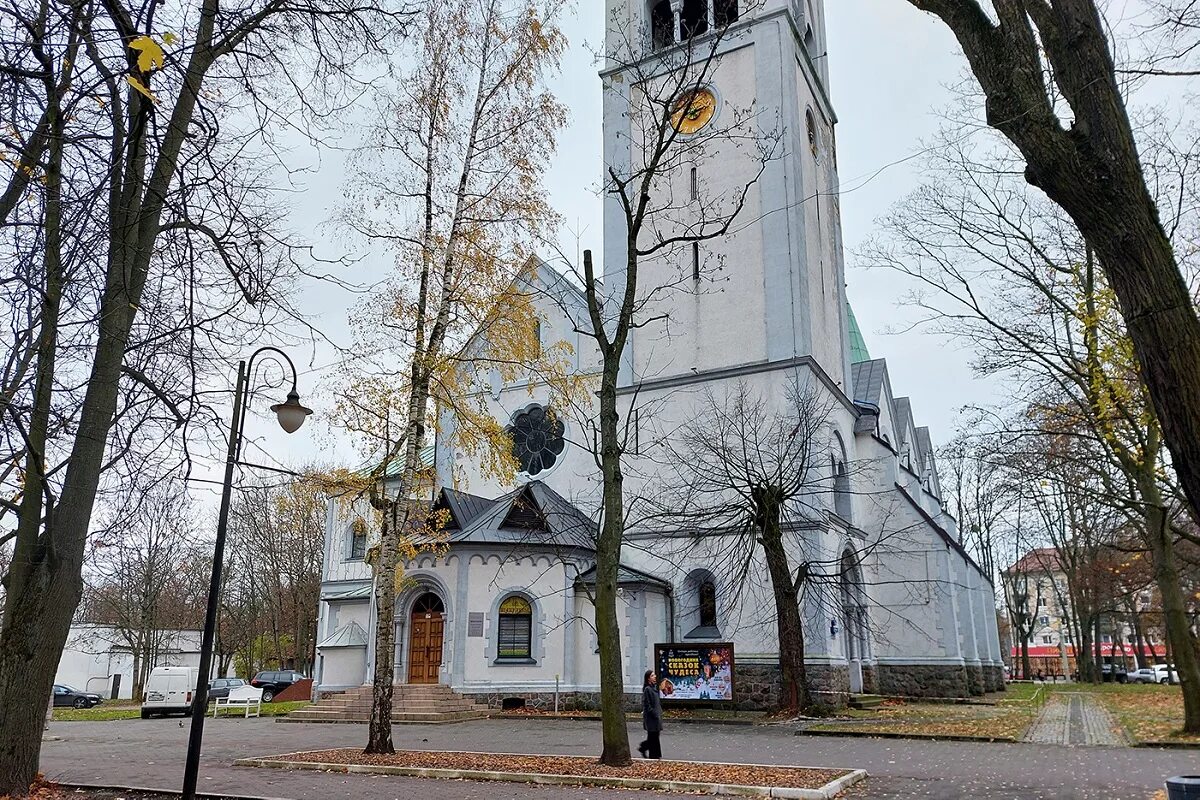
(533, 513)
(462, 508)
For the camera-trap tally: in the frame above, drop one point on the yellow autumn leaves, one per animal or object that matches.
(150, 57)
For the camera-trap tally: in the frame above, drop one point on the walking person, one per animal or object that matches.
(651, 716)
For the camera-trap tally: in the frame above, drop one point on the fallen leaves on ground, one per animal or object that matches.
(1149, 713)
(684, 771)
(937, 719)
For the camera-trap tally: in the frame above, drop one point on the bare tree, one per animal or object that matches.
(142, 233)
(137, 577)
(747, 479)
(276, 539)
(1051, 87)
(1011, 272)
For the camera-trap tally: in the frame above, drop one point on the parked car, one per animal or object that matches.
(221, 686)
(1112, 672)
(70, 696)
(169, 691)
(1163, 673)
(272, 682)
(1144, 675)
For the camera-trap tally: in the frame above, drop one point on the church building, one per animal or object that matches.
(504, 611)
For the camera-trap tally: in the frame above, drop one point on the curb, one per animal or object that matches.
(826, 792)
(924, 737)
(597, 718)
(285, 718)
(150, 790)
(573, 717)
(1168, 745)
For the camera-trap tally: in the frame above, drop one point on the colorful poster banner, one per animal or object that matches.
(695, 673)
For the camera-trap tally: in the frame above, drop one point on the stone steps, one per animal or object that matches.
(864, 701)
(432, 703)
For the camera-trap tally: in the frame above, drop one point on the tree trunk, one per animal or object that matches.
(1183, 644)
(615, 734)
(45, 583)
(794, 692)
(1139, 639)
(379, 730)
(1026, 667)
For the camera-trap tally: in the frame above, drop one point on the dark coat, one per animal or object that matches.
(651, 709)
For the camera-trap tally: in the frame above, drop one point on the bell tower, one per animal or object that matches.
(772, 289)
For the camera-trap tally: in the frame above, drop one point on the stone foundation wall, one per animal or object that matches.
(830, 684)
(758, 687)
(922, 680)
(975, 680)
(544, 701)
(870, 681)
(993, 678)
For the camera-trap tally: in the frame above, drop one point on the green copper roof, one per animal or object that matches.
(858, 347)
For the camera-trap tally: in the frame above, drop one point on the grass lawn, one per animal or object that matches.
(1149, 713)
(127, 710)
(1008, 719)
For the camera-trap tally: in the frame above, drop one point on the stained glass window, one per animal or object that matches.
(515, 629)
(537, 439)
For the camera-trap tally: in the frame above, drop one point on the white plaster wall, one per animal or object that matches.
(94, 654)
(343, 666)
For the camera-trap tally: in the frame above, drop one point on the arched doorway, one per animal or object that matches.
(425, 639)
(854, 619)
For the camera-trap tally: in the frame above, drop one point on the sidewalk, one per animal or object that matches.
(1077, 719)
(150, 754)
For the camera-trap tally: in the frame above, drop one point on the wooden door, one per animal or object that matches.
(425, 643)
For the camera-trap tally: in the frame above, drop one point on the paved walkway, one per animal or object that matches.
(149, 753)
(1075, 718)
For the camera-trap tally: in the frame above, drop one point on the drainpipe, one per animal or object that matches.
(671, 614)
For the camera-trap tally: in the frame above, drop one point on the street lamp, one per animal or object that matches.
(291, 416)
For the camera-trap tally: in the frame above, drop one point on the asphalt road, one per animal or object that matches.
(150, 754)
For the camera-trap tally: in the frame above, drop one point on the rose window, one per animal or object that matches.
(537, 439)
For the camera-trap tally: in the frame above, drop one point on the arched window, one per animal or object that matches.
(725, 12)
(698, 604)
(662, 25)
(841, 491)
(514, 638)
(814, 144)
(694, 19)
(358, 539)
(707, 598)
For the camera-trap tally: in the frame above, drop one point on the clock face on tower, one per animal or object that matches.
(693, 110)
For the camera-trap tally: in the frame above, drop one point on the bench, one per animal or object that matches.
(245, 697)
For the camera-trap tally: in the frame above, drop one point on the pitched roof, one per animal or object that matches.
(858, 346)
(903, 408)
(350, 635)
(1039, 559)
(625, 575)
(531, 513)
(924, 446)
(463, 507)
(868, 378)
(349, 594)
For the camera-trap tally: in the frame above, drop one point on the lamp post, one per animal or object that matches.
(291, 416)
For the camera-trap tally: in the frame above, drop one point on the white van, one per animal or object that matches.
(169, 691)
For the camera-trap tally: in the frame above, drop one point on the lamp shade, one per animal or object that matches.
(291, 414)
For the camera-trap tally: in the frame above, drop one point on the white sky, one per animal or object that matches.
(889, 66)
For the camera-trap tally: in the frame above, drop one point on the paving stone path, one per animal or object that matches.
(1075, 718)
